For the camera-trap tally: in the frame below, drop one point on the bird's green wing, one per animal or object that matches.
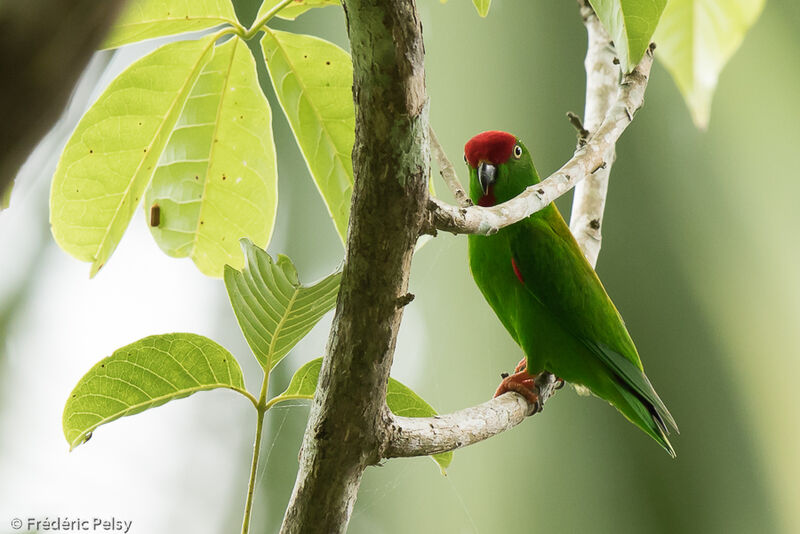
(554, 269)
(557, 274)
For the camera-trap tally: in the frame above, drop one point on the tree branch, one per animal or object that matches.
(421, 436)
(601, 83)
(391, 164)
(588, 160)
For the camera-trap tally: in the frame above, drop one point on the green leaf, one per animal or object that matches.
(273, 309)
(303, 384)
(696, 38)
(146, 374)
(113, 151)
(217, 179)
(402, 401)
(313, 80)
(146, 19)
(631, 24)
(482, 6)
(295, 8)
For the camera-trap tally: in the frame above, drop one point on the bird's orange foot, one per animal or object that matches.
(524, 384)
(521, 366)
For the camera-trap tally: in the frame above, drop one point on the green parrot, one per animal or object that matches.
(548, 297)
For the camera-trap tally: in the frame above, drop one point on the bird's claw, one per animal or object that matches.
(525, 384)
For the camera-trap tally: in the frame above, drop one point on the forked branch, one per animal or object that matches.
(588, 160)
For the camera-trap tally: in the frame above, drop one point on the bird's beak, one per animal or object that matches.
(487, 174)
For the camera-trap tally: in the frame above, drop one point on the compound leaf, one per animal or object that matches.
(112, 154)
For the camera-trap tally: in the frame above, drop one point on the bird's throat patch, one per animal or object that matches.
(488, 200)
(516, 270)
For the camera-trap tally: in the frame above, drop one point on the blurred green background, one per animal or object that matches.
(699, 254)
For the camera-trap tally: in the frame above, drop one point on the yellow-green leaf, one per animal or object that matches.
(217, 179)
(303, 384)
(313, 80)
(113, 152)
(295, 8)
(400, 399)
(147, 19)
(696, 38)
(146, 374)
(482, 6)
(631, 24)
(273, 309)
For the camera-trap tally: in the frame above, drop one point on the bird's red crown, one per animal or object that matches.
(492, 146)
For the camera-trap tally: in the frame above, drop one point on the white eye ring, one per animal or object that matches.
(465, 159)
(517, 151)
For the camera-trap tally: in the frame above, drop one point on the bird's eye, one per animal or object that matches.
(517, 151)
(465, 159)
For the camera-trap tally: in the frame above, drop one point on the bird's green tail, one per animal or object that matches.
(636, 397)
(644, 415)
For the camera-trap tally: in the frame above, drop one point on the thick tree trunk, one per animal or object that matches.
(391, 161)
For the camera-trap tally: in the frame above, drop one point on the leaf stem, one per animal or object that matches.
(249, 34)
(281, 398)
(261, 409)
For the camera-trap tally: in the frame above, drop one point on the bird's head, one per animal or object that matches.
(500, 167)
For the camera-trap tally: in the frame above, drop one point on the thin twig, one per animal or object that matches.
(576, 123)
(448, 172)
